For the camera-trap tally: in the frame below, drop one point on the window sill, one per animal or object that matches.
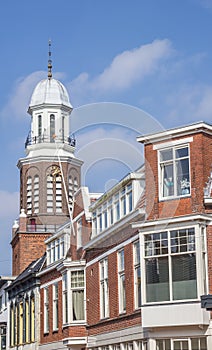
(172, 302)
(122, 313)
(165, 199)
(75, 324)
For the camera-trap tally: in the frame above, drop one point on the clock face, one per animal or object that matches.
(55, 170)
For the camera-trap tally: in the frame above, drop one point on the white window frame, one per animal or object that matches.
(46, 310)
(78, 287)
(201, 262)
(168, 343)
(137, 272)
(121, 278)
(65, 283)
(185, 185)
(55, 306)
(104, 289)
(112, 210)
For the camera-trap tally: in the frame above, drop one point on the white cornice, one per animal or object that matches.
(176, 132)
(168, 222)
(70, 264)
(50, 159)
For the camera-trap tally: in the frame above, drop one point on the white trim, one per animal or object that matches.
(172, 221)
(177, 132)
(75, 341)
(47, 284)
(118, 247)
(172, 162)
(199, 265)
(172, 143)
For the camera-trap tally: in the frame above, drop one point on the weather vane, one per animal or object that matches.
(50, 62)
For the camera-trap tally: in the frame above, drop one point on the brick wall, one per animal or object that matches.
(62, 332)
(115, 321)
(27, 247)
(200, 167)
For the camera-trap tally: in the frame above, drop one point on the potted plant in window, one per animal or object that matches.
(185, 186)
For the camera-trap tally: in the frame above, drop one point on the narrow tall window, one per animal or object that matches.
(174, 171)
(123, 202)
(129, 198)
(21, 322)
(46, 310)
(27, 320)
(49, 194)
(29, 195)
(65, 299)
(77, 291)
(12, 325)
(117, 207)
(59, 194)
(137, 275)
(39, 128)
(121, 277)
(104, 293)
(55, 306)
(32, 318)
(79, 233)
(76, 186)
(36, 194)
(70, 192)
(52, 128)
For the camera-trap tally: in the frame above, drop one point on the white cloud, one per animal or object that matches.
(19, 99)
(133, 65)
(126, 69)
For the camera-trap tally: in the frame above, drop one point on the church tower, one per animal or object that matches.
(49, 174)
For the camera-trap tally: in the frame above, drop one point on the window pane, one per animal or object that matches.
(157, 279)
(184, 277)
(168, 184)
(181, 345)
(166, 154)
(181, 152)
(198, 344)
(78, 305)
(183, 181)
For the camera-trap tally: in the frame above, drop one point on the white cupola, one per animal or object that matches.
(50, 110)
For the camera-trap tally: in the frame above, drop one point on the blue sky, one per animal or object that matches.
(143, 55)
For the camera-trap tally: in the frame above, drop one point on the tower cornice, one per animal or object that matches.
(48, 159)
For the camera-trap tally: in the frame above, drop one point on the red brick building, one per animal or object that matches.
(123, 271)
(62, 281)
(175, 238)
(113, 279)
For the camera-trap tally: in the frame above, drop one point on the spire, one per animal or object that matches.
(49, 62)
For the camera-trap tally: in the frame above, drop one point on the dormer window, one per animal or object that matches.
(113, 210)
(57, 248)
(174, 172)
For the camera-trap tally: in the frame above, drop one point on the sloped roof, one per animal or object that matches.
(34, 267)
